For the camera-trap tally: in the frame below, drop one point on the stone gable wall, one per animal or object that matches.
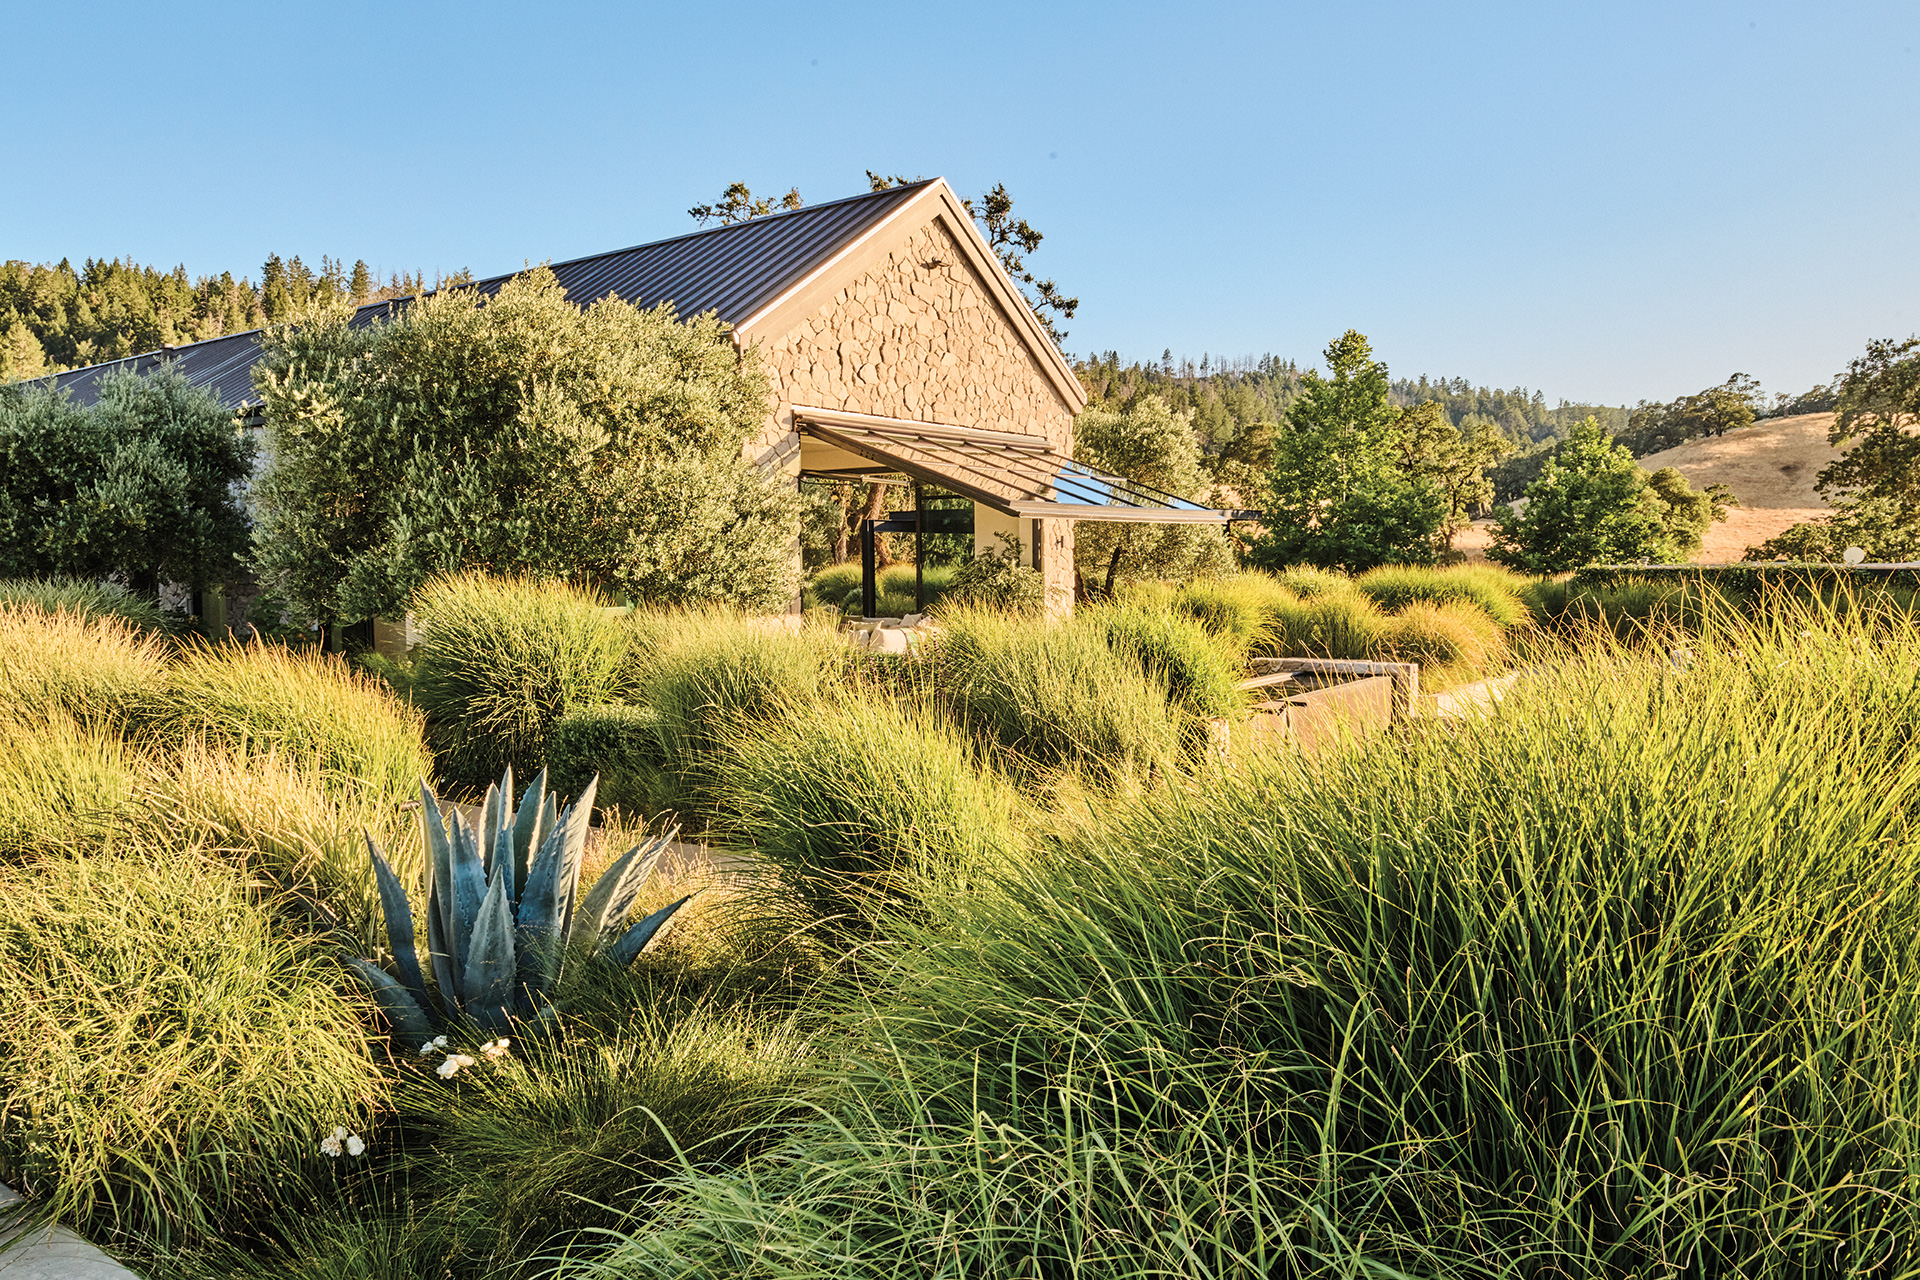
(919, 335)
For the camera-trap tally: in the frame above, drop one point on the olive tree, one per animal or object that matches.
(517, 434)
(1150, 443)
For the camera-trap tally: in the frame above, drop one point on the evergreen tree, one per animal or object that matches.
(275, 300)
(21, 355)
(361, 284)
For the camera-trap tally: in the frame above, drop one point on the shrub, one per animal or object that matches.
(62, 784)
(611, 741)
(500, 659)
(1310, 583)
(306, 707)
(97, 669)
(72, 595)
(1056, 696)
(1615, 982)
(859, 807)
(831, 584)
(168, 1056)
(144, 483)
(1454, 634)
(1493, 591)
(1239, 609)
(997, 580)
(1200, 673)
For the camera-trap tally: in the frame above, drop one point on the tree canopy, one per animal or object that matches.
(1149, 443)
(141, 485)
(1341, 493)
(1875, 482)
(516, 434)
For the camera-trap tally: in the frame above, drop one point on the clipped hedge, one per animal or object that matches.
(609, 740)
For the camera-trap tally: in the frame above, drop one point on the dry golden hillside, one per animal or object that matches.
(1770, 467)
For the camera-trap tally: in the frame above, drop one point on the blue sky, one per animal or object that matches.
(1604, 201)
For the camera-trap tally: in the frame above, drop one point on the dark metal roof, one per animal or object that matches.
(732, 271)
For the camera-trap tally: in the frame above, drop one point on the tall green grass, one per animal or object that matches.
(1239, 609)
(167, 1058)
(96, 669)
(500, 659)
(858, 806)
(1054, 696)
(1454, 637)
(1334, 622)
(303, 706)
(1493, 590)
(93, 599)
(1619, 980)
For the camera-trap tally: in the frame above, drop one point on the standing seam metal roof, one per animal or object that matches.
(732, 271)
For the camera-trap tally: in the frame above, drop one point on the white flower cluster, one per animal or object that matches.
(341, 1140)
(454, 1062)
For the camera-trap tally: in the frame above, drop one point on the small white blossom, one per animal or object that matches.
(330, 1146)
(454, 1062)
(339, 1133)
(496, 1048)
(439, 1042)
(354, 1145)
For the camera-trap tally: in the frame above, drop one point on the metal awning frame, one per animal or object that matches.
(1031, 461)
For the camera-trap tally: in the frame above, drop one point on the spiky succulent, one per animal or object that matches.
(503, 907)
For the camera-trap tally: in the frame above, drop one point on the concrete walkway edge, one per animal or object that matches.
(31, 1252)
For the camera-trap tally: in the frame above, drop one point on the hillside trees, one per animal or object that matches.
(516, 434)
(141, 484)
(1149, 443)
(1875, 483)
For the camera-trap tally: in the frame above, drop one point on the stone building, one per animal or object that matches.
(896, 345)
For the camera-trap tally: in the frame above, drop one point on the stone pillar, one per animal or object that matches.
(1053, 557)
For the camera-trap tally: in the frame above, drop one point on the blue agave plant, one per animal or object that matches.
(503, 908)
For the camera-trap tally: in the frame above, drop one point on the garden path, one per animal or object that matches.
(40, 1253)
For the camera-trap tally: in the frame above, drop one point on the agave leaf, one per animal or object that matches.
(469, 891)
(612, 895)
(399, 917)
(439, 861)
(487, 981)
(567, 880)
(634, 941)
(439, 953)
(538, 920)
(488, 827)
(409, 1021)
(526, 820)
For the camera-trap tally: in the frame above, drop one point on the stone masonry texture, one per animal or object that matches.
(919, 335)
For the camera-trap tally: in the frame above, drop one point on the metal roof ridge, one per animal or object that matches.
(846, 418)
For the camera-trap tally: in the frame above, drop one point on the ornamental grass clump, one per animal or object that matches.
(96, 669)
(62, 784)
(1617, 980)
(304, 707)
(91, 599)
(1238, 608)
(1201, 673)
(168, 1056)
(722, 674)
(1494, 591)
(1053, 697)
(500, 659)
(1331, 623)
(860, 808)
(1452, 638)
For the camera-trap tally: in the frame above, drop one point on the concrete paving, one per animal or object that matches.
(42, 1253)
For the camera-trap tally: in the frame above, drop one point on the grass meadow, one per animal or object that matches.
(1016, 973)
